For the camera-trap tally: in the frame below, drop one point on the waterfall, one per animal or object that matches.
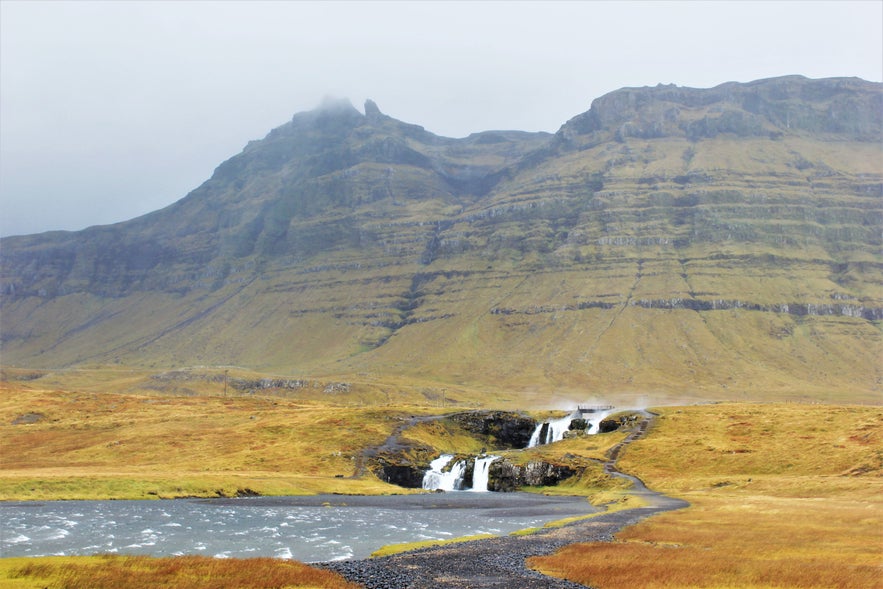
(435, 479)
(537, 435)
(550, 431)
(481, 472)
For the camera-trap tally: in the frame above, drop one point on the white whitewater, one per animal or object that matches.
(595, 421)
(553, 431)
(481, 473)
(550, 431)
(434, 479)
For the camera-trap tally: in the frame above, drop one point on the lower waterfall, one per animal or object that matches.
(481, 472)
(436, 479)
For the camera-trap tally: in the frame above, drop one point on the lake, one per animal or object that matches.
(309, 529)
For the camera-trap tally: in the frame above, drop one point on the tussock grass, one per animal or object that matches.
(781, 496)
(143, 572)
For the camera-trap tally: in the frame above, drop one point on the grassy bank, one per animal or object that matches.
(143, 572)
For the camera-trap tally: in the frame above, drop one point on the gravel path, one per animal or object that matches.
(500, 562)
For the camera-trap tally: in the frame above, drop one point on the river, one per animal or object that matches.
(309, 529)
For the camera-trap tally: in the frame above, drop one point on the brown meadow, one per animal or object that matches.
(185, 572)
(781, 496)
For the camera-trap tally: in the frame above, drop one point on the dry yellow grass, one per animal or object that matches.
(143, 572)
(781, 496)
(67, 445)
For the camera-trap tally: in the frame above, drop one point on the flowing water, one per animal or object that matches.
(316, 528)
(553, 431)
(436, 478)
(453, 479)
(481, 473)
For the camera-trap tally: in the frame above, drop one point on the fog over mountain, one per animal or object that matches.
(110, 110)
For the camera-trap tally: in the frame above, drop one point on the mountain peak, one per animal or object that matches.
(849, 107)
(371, 110)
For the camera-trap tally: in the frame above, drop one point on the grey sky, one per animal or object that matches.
(109, 110)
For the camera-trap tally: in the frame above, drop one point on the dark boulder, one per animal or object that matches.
(608, 425)
(579, 424)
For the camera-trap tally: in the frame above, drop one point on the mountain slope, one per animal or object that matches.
(712, 242)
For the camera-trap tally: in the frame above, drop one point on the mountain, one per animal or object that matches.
(705, 242)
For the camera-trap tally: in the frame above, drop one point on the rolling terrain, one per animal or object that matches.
(719, 243)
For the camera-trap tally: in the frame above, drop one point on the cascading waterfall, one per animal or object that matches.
(481, 472)
(550, 431)
(436, 479)
(553, 431)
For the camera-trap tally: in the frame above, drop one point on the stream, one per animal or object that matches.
(309, 528)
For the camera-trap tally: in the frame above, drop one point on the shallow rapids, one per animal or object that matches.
(310, 529)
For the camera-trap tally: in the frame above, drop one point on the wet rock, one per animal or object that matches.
(578, 424)
(503, 429)
(399, 471)
(608, 425)
(505, 476)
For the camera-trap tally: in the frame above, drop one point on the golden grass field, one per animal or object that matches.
(143, 572)
(92, 445)
(782, 495)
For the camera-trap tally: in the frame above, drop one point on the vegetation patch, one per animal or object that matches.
(144, 572)
(391, 549)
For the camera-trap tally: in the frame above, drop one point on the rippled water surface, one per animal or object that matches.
(305, 528)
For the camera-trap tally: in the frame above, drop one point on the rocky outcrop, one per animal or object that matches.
(506, 477)
(401, 462)
(614, 422)
(402, 472)
(608, 425)
(502, 429)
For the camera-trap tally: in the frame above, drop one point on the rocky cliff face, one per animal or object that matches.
(666, 238)
(504, 476)
(502, 430)
(765, 108)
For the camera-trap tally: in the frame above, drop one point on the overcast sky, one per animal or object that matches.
(109, 110)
